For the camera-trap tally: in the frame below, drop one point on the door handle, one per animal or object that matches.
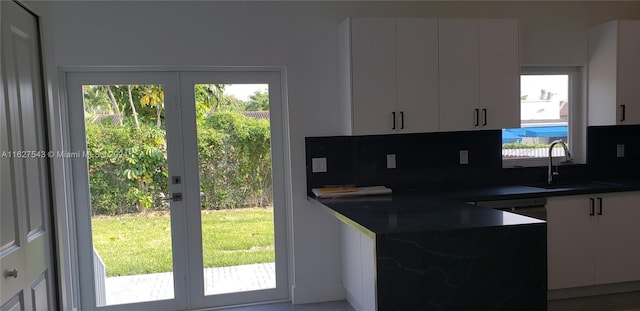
(624, 112)
(592, 202)
(11, 274)
(476, 113)
(175, 197)
(484, 116)
(402, 120)
(393, 116)
(599, 206)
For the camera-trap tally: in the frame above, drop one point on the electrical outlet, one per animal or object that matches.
(391, 161)
(620, 151)
(319, 165)
(464, 157)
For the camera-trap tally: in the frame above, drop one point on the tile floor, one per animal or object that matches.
(614, 302)
(342, 305)
(158, 286)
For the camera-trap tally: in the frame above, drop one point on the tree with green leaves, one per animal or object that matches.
(234, 153)
(153, 96)
(258, 101)
(209, 97)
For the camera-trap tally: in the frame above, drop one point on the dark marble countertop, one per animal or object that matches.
(416, 213)
(447, 208)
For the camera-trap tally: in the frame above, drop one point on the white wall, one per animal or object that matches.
(302, 36)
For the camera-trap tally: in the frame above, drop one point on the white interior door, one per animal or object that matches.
(27, 281)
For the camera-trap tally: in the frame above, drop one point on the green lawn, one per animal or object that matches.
(140, 244)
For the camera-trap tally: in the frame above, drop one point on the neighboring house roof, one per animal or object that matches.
(258, 115)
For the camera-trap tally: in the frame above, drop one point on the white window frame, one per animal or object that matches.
(577, 115)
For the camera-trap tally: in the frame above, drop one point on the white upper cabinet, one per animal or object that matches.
(614, 72)
(373, 75)
(459, 77)
(417, 74)
(479, 74)
(389, 74)
(408, 75)
(499, 73)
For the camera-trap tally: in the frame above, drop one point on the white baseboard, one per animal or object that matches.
(593, 290)
(354, 302)
(317, 293)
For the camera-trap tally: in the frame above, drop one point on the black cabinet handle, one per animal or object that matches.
(599, 206)
(477, 117)
(402, 120)
(624, 112)
(393, 115)
(484, 116)
(593, 206)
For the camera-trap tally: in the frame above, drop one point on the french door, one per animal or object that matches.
(133, 253)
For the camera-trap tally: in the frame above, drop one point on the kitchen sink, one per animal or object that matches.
(576, 185)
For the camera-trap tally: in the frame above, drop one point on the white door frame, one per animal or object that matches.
(276, 77)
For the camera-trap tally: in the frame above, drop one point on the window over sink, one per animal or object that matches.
(549, 110)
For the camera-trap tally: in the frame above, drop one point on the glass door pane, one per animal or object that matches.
(236, 198)
(128, 183)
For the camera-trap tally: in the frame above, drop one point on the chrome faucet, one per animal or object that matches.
(567, 158)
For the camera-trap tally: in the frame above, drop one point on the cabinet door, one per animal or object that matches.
(499, 72)
(458, 74)
(602, 89)
(614, 70)
(358, 268)
(369, 286)
(351, 264)
(570, 242)
(617, 238)
(628, 72)
(373, 80)
(417, 68)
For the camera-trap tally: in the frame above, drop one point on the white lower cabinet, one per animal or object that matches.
(358, 268)
(593, 239)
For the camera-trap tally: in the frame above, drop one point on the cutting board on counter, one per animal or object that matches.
(341, 192)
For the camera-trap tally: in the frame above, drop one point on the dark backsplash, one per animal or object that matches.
(421, 159)
(602, 146)
(433, 159)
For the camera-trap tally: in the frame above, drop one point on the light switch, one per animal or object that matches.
(319, 165)
(464, 157)
(391, 161)
(620, 151)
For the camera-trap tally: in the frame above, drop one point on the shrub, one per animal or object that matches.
(128, 166)
(235, 161)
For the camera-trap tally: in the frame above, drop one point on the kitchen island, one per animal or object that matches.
(417, 252)
(426, 248)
